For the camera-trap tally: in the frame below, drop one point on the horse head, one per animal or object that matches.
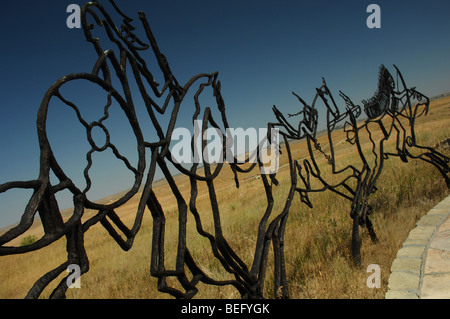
(128, 43)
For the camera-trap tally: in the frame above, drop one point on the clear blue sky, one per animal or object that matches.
(262, 49)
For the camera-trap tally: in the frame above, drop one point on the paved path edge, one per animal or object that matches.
(407, 270)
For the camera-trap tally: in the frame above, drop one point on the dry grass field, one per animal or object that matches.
(317, 240)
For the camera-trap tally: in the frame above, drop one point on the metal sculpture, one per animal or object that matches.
(110, 68)
(384, 112)
(114, 69)
(406, 143)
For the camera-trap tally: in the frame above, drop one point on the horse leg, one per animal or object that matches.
(372, 234)
(356, 243)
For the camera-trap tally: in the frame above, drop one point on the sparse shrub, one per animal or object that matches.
(28, 240)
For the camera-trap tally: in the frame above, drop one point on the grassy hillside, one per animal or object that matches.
(317, 241)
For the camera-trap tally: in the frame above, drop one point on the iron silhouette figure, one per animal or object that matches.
(116, 66)
(384, 113)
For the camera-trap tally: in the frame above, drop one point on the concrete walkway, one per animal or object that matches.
(421, 269)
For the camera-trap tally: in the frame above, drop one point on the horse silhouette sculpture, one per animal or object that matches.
(357, 181)
(111, 73)
(122, 75)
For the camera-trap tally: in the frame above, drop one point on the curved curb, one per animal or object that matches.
(408, 272)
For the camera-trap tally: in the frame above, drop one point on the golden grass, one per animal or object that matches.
(317, 241)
